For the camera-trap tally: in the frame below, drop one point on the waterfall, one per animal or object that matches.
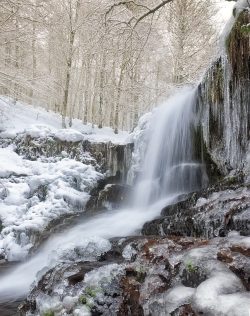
(169, 165)
(169, 170)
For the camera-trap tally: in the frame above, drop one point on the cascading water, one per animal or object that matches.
(169, 170)
(169, 165)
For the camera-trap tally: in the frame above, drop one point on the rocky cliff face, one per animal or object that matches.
(224, 98)
(107, 157)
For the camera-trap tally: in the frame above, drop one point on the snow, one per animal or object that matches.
(37, 122)
(34, 193)
(11, 164)
(227, 12)
(242, 4)
(207, 296)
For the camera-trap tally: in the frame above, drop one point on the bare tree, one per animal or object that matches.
(102, 61)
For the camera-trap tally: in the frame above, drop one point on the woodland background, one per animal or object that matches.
(103, 61)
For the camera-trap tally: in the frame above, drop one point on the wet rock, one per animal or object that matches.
(168, 276)
(205, 214)
(223, 101)
(131, 295)
(192, 276)
(115, 289)
(185, 310)
(237, 258)
(108, 195)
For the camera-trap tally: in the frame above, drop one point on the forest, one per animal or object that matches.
(104, 61)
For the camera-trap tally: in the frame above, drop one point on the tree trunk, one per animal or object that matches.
(101, 95)
(69, 64)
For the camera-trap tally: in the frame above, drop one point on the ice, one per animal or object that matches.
(128, 252)
(58, 250)
(220, 295)
(237, 8)
(36, 193)
(242, 4)
(166, 303)
(178, 296)
(245, 242)
(139, 137)
(82, 311)
(233, 305)
(46, 304)
(104, 274)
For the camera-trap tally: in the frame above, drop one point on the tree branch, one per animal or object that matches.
(152, 11)
(125, 3)
(149, 11)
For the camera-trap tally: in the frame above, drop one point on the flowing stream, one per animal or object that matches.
(169, 170)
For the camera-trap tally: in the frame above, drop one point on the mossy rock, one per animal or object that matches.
(237, 44)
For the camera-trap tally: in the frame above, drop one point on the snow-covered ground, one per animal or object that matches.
(37, 122)
(35, 193)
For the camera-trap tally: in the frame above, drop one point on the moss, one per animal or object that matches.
(48, 313)
(245, 29)
(140, 274)
(190, 267)
(83, 299)
(92, 291)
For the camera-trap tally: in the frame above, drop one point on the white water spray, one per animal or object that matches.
(169, 170)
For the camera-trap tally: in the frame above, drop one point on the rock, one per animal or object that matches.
(192, 276)
(112, 158)
(108, 195)
(237, 258)
(167, 274)
(223, 102)
(185, 310)
(205, 214)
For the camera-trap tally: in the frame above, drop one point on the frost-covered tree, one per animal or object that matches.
(102, 61)
(192, 37)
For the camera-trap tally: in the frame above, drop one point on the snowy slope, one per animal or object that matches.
(38, 122)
